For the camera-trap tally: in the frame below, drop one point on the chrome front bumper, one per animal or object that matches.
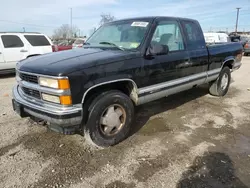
(54, 114)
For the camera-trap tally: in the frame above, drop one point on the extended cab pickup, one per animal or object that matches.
(93, 90)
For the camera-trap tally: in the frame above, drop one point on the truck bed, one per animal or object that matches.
(218, 52)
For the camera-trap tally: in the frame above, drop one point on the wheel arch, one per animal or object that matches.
(130, 88)
(228, 62)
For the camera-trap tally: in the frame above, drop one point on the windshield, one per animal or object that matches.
(126, 35)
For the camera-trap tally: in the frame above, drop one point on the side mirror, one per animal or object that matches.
(158, 49)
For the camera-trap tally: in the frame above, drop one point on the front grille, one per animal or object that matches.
(28, 78)
(31, 92)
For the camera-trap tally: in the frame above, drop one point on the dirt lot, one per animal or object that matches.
(188, 140)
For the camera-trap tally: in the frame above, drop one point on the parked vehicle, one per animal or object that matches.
(247, 48)
(65, 45)
(123, 64)
(17, 46)
(245, 40)
(216, 38)
(78, 43)
(238, 38)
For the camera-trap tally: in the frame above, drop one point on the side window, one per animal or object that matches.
(37, 40)
(168, 33)
(195, 38)
(11, 41)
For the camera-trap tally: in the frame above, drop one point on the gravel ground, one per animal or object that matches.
(187, 140)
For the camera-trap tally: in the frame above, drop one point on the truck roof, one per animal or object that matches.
(151, 18)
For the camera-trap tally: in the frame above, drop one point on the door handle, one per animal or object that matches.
(0, 52)
(184, 64)
(23, 50)
(187, 62)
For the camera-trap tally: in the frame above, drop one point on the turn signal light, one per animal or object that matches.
(65, 100)
(63, 84)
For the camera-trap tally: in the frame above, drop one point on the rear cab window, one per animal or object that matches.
(37, 40)
(194, 35)
(12, 41)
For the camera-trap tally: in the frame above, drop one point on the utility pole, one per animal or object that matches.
(236, 27)
(71, 28)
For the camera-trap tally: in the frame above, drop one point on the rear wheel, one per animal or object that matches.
(221, 85)
(110, 118)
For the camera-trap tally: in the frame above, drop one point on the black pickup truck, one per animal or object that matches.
(93, 90)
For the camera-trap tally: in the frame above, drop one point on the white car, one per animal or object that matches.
(216, 38)
(17, 46)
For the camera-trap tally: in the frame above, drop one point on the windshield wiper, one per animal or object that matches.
(110, 43)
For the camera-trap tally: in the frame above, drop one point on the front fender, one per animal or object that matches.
(108, 80)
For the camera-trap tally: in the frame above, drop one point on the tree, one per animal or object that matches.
(64, 32)
(105, 18)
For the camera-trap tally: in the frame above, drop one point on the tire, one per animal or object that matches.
(106, 108)
(218, 87)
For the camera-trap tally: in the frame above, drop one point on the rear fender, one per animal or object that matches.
(229, 60)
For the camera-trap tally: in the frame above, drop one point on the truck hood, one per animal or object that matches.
(65, 62)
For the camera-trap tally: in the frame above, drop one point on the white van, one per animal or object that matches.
(17, 46)
(216, 37)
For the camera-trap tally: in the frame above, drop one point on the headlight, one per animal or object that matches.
(64, 100)
(54, 83)
(48, 82)
(51, 98)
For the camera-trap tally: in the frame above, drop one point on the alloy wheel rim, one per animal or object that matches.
(224, 81)
(112, 120)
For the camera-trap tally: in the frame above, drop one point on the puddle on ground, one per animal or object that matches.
(154, 126)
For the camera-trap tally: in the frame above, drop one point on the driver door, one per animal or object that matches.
(171, 66)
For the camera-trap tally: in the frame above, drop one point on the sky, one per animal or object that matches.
(47, 15)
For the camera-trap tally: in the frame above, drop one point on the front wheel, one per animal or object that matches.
(110, 118)
(221, 85)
